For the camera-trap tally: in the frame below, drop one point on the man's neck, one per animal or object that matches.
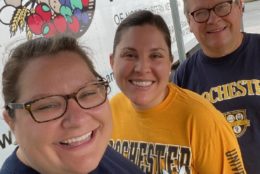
(218, 52)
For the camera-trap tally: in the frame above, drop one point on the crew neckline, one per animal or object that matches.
(226, 58)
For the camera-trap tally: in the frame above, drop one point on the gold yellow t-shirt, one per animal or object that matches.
(184, 134)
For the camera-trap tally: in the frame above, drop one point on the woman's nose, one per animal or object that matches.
(142, 65)
(74, 115)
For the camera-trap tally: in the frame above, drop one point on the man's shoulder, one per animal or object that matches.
(187, 67)
(191, 60)
(257, 35)
(254, 37)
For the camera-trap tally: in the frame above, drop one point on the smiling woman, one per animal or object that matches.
(56, 105)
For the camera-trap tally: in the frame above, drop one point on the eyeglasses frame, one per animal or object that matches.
(213, 8)
(27, 105)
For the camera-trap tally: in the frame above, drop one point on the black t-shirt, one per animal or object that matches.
(111, 163)
(232, 84)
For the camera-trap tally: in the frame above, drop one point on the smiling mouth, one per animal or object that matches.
(217, 30)
(141, 83)
(76, 141)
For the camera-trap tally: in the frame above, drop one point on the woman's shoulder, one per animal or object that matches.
(119, 99)
(13, 165)
(114, 163)
(118, 96)
(192, 101)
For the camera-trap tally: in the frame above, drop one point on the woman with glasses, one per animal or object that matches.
(56, 105)
(226, 70)
(161, 127)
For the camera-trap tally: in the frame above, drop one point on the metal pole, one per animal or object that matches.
(177, 28)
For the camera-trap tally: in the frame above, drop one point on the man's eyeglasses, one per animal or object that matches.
(221, 10)
(53, 107)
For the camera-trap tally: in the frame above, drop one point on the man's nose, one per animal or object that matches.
(212, 16)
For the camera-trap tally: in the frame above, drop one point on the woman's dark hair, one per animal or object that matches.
(140, 18)
(20, 56)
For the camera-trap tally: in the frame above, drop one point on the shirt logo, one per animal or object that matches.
(238, 120)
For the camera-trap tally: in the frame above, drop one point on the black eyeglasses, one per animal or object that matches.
(221, 10)
(53, 107)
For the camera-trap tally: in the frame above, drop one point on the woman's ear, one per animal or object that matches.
(9, 120)
(242, 5)
(111, 59)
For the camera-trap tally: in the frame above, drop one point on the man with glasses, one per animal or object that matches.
(226, 70)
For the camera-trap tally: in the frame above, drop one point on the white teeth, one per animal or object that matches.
(142, 83)
(216, 30)
(85, 137)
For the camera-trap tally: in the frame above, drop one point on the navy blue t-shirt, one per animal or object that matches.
(111, 163)
(232, 84)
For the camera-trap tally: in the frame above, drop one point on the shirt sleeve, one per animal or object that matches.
(215, 138)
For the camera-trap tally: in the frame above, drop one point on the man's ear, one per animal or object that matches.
(111, 59)
(188, 21)
(190, 29)
(9, 120)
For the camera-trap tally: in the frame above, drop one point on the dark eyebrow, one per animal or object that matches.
(159, 49)
(128, 49)
(133, 49)
(48, 94)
